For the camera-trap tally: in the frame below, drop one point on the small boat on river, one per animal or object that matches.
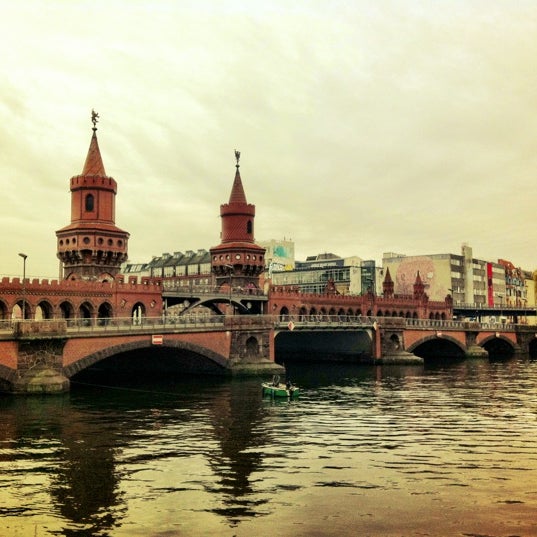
(280, 389)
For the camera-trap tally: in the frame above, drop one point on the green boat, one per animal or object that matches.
(279, 389)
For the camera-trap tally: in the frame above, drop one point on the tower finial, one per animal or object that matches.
(237, 157)
(94, 119)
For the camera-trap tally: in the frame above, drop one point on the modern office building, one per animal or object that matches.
(328, 272)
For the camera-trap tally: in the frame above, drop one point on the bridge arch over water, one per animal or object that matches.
(434, 346)
(143, 357)
(308, 345)
(498, 345)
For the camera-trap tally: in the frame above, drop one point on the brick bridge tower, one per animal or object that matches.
(92, 247)
(237, 260)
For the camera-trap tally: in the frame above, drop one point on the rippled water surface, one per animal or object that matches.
(378, 451)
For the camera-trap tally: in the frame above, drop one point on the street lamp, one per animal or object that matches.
(24, 256)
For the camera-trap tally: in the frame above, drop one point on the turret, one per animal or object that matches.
(387, 285)
(237, 260)
(91, 246)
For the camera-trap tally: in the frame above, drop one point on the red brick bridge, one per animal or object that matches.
(42, 356)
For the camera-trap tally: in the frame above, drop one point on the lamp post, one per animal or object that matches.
(24, 256)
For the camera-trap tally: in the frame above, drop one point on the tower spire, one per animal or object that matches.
(237, 191)
(94, 162)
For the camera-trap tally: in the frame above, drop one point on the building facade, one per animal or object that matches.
(344, 276)
(468, 280)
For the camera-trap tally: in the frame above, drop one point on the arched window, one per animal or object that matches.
(249, 227)
(90, 202)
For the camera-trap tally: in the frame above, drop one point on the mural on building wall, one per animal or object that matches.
(281, 250)
(434, 275)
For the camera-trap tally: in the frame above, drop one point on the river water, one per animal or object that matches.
(443, 449)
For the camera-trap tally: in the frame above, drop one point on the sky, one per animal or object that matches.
(364, 126)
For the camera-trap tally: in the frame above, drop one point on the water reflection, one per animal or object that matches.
(236, 416)
(205, 456)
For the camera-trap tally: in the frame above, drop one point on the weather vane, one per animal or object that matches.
(237, 157)
(94, 118)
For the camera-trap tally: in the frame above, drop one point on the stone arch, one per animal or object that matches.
(313, 311)
(67, 310)
(284, 313)
(104, 313)
(252, 347)
(138, 312)
(434, 338)
(332, 312)
(302, 313)
(93, 358)
(17, 311)
(85, 311)
(498, 345)
(44, 310)
(3, 310)
(395, 342)
(379, 313)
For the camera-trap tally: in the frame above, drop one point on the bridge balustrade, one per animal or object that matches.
(325, 321)
(8, 328)
(495, 307)
(458, 325)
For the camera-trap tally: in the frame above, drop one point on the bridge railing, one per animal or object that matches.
(312, 321)
(230, 322)
(56, 326)
(458, 325)
(120, 324)
(492, 307)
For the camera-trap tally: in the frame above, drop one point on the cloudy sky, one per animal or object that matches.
(364, 126)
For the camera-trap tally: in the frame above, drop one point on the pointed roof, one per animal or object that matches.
(237, 191)
(388, 277)
(94, 163)
(418, 279)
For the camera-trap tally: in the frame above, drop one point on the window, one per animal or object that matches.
(90, 202)
(249, 227)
